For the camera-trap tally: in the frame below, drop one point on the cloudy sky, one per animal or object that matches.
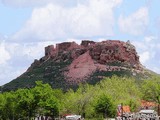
(27, 26)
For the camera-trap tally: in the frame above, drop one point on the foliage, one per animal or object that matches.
(28, 103)
(151, 89)
(105, 106)
(88, 100)
(46, 102)
(79, 101)
(25, 102)
(49, 72)
(52, 71)
(121, 89)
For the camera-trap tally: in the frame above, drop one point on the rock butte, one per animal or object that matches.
(91, 56)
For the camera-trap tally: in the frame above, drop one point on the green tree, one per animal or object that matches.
(105, 106)
(2, 106)
(78, 102)
(26, 103)
(45, 101)
(84, 96)
(151, 89)
(121, 89)
(10, 106)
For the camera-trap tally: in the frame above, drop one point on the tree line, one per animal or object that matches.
(98, 101)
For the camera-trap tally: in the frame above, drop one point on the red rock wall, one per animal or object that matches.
(66, 46)
(103, 52)
(49, 50)
(86, 43)
(111, 51)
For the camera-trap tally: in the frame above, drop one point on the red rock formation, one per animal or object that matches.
(113, 51)
(91, 56)
(86, 43)
(81, 67)
(103, 52)
(66, 46)
(50, 50)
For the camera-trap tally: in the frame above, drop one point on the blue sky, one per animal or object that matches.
(27, 26)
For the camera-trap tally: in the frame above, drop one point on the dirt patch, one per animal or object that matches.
(80, 68)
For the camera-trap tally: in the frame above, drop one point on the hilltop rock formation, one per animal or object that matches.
(68, 64)
(102, 52)
(90, 56)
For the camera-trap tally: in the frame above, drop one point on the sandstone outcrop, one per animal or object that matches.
(90, 56)
(102, 52)
(67, 64)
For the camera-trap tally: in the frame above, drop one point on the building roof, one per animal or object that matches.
(147, 104)
(147, 111)
(126, 109)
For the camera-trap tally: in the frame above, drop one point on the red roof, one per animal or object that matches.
(126, 109)
(147, 104)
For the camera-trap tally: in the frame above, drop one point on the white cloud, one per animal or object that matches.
(8, 73)
(149, 43)
(134, 24)
(150, 38)
(89, 19)
(158, 45)
(144, 57)
(31, 3)
(156, 69)
(21, 55)
(4, 54)
(15, 58)
(20, 3)
(148, 49)
(66, 3)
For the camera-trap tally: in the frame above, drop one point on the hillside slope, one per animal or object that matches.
(68, 64)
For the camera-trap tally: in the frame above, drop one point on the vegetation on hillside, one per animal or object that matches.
(50, 72)
(53, 73)
(90, 101)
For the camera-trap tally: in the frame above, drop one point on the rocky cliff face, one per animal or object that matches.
(69, 63)
(90, 56)
(102, 52)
